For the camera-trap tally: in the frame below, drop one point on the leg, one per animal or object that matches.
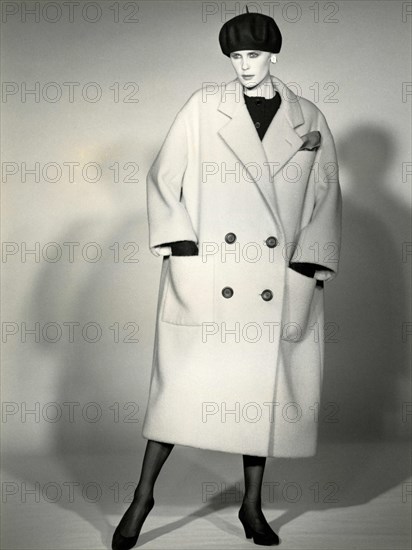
(253, 469)
(250, 513)
(155, 456)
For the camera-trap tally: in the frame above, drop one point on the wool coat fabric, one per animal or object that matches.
(239, 339)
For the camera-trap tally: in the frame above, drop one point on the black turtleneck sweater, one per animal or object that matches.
(262, 111)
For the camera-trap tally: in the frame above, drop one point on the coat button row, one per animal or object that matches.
(227, 292)
(271, 241)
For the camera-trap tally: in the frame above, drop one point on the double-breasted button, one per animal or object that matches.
(230, 238)
(267, 295)
(227, 292)
(257, 124)
(271, 242)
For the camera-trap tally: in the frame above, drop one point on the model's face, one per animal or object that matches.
(251, 66)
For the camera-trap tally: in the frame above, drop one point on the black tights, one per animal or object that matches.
(253, 470)
(157, 453)
(155, 456)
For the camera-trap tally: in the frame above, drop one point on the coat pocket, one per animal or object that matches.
(188, 296)
(299, 291)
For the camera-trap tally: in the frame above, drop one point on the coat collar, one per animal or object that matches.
(280, 142)
(262, 159)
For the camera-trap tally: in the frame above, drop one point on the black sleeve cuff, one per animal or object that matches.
(184, 248)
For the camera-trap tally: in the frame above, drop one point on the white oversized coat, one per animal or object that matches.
(242, 374)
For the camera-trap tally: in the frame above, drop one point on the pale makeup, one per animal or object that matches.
(253, 71)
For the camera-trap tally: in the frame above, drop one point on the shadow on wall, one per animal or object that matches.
(114, 294)
(367, 369)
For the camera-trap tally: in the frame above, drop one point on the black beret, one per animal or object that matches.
(250, 31)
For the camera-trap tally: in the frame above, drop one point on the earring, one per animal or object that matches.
(273, 58)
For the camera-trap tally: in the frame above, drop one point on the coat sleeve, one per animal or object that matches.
(168, 218)
(319, 242)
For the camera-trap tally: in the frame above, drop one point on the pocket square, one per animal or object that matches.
(311, 141)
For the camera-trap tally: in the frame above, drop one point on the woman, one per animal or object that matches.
(244, 207)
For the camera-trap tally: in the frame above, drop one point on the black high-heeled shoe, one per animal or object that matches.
(266, 538)
(120, 542)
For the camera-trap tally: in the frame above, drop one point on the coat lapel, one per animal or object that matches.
(262, 159)
(281, 141)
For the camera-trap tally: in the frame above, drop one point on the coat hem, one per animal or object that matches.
(221, 449)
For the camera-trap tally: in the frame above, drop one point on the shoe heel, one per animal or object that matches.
(248, 532)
